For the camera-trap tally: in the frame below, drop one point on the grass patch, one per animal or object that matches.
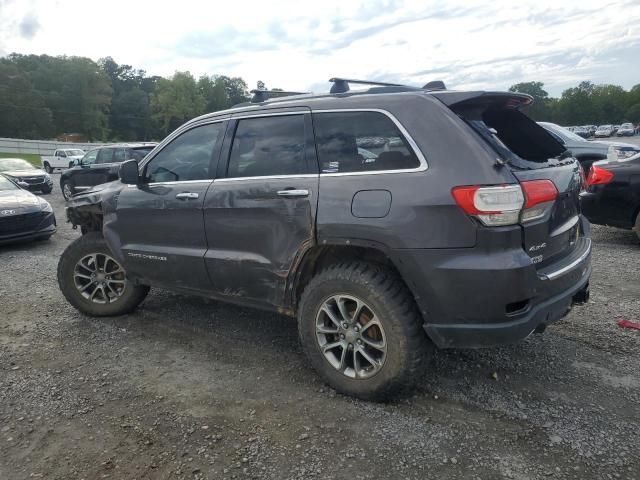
(32, 158)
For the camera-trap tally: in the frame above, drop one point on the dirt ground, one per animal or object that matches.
(189, 388)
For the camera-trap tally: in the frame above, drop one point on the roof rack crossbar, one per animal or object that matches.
(341, 85)
(260, 96)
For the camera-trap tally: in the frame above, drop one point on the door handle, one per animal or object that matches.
(293, 193)
(187, 195)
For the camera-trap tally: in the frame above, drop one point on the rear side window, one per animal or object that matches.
(268, 146)
(105, 155)
(120, 155)
(361, 142)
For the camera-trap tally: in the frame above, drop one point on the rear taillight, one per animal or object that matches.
(540, 195)
(599, 176)
(507, 204)
(493, 206)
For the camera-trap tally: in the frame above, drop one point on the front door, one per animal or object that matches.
(260, 215)
(160, 222)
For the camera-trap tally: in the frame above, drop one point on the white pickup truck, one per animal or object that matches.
(62, 158)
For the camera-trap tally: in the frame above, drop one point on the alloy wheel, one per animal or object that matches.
(66, 191)
(350, 336)
(99, 278)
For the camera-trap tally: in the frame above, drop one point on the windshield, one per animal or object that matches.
(626, 125)
(562, 132)
(6, 184)
(7, 164)
(75, 153)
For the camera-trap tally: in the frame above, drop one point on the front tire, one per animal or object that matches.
(94, 282)
(636, 227)
(47, 167)
(360, 327)
(67, 189)
(47, 190)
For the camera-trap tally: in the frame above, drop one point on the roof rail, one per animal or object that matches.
(260, 96)
(341, 85)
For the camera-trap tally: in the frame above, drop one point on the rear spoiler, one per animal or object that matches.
(464, 99)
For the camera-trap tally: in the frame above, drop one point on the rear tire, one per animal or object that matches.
(384, 301)
(76, 270)
(67, 189)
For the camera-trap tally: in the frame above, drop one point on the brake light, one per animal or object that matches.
(599, 176)
(507, 204)
(540, 195)
(493, 206)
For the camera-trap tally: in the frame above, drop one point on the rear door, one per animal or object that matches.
(553, 230)
(260, 212)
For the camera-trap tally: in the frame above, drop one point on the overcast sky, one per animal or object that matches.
(298, 44)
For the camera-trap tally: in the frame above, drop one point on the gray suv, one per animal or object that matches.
(389, 221)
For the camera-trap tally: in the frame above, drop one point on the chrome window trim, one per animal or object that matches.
(178, 182)
(421, 158)
(267, 177)
(276, 114)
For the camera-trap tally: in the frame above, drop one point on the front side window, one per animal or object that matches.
(360, 142)
(90, 157)
(268, 146)
(62, 154)
(187, 157)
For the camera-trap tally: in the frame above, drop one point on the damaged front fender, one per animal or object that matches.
(87, 210)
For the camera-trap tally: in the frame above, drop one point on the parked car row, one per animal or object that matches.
(604, 131)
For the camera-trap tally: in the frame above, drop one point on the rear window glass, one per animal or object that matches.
(510, 132)
(360, 142)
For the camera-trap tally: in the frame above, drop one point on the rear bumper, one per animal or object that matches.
(504, 333)
(492, 294)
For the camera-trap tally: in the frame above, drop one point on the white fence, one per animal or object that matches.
(40, 147)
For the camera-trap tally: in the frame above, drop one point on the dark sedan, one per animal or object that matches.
(22, 171)
(613, 194)
(23, 215)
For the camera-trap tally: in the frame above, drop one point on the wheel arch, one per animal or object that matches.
(319, 257)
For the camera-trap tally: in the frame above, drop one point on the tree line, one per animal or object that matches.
(42, 96)
(586, 104)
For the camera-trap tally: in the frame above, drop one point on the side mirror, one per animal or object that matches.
(128, 172)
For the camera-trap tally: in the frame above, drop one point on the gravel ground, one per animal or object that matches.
(188, 388)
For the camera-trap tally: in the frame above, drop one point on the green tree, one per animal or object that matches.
(176, 100)
(539, 110)
(23, 113)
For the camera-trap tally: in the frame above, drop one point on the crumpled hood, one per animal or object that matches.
(98, 194)
(19, 200)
